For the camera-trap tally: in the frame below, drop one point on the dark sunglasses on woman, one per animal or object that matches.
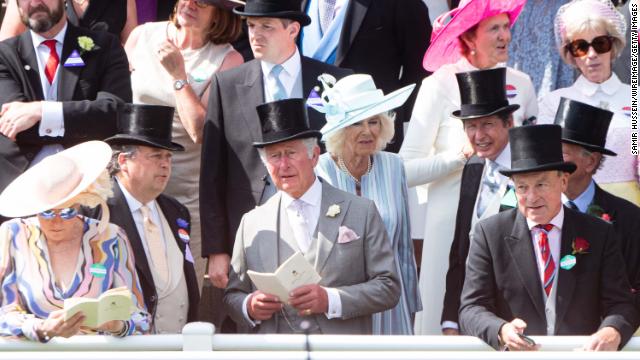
(65, 214)
(580, 47)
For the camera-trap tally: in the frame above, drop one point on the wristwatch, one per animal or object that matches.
(179, 84)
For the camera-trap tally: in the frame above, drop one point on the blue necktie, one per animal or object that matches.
(279, 93)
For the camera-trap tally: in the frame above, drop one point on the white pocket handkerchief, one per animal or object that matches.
(346, 235)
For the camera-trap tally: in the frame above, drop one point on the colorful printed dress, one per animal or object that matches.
(28, 290)
(386, 186)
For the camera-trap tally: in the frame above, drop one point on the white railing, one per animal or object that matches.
(198, 341)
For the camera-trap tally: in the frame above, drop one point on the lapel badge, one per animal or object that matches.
(74, 60)
(27, 67)
(567, 262)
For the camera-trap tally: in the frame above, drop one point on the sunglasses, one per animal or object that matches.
(65, 214)
(580, 47)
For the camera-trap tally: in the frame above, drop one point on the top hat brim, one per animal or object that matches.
(122, 139)
(284, 136)
(505, 109)
(564, 166)
(298, 16)
(590, 147)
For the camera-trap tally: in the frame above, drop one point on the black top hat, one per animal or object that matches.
(284, 120)
(286, 9)
(584, 125)
(148, 125)
(482, 93)
(536, 148)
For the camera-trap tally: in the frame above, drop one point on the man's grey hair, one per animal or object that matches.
(128, 150)
(587, 153)
(310, 143)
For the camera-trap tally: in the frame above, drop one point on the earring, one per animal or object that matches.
(473, 52)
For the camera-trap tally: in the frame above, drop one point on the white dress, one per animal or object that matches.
(153, 85)
(433, 162)
(619, 174)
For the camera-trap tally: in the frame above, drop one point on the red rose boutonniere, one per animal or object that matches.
(580, 246)
(598, 211)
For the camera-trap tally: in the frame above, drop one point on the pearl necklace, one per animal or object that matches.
(344, 169)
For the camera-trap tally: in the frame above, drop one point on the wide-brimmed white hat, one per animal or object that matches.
(352, 99)
(55, 180)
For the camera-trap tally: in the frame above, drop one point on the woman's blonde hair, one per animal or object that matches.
(335, 143)
(225, 26)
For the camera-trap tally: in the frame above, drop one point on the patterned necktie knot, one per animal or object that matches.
(545, 227)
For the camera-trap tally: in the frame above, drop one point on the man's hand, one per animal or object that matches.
(261, 306)
(219, 270)
(509, 336)
(450, 331)
(16, 117)
(605, 339)
(309, 299)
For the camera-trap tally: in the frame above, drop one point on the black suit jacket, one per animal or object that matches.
(469, 187)
(89, 94)
(502, 280)
(172, 210)
(381, 37)
(232, 176)
(626, 223)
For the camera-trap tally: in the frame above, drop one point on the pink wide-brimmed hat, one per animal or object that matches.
(444, 48)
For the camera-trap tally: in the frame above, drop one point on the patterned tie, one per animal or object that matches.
(52, 61)
(490, 184)
(545, 252)
(278, 91)
(300, 226)
(573, 205)
(155, 246)
(326, 10)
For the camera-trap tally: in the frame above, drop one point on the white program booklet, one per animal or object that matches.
(293, 273)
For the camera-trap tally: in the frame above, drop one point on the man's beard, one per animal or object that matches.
(43, 23)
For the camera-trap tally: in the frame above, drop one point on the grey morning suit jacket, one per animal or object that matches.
(362, 270)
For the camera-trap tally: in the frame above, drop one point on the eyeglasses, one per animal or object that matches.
(199, 3)
(580, 47)
(65, 214)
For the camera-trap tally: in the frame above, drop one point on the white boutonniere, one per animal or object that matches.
(86, 44)
(333, 210)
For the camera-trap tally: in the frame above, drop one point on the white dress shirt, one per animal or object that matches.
(312, 199)
(52, 121)
(134, 207)
(554, 236)
(290, 73)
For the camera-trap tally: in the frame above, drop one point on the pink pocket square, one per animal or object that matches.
(346, 235)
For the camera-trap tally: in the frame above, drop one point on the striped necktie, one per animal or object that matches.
(545, 252)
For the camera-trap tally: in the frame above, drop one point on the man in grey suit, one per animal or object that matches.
(340, 234)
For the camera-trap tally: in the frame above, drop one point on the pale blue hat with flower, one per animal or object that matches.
(353, 99)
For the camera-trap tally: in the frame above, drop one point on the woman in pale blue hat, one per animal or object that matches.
(359, 125)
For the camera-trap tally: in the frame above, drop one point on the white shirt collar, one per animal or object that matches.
(134, 204)
(38, 39)
(504, 158)
(291, 66)
(312, 196)
(588, 88)
(557, 220)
